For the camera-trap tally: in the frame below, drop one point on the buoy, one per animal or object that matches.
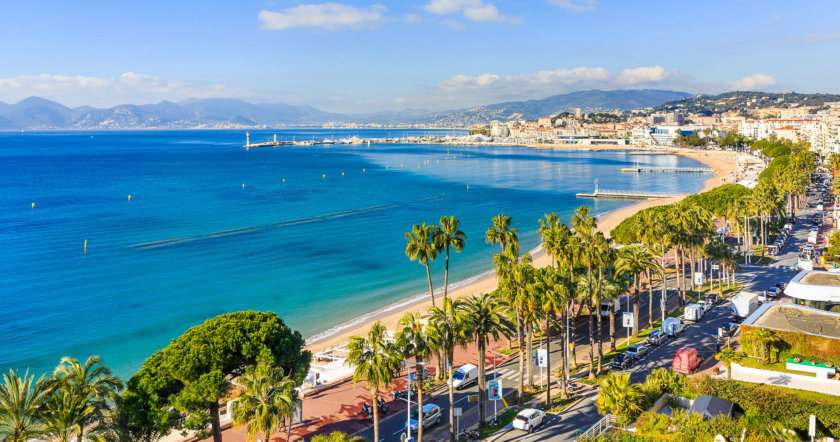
(243, 185)
(363, 171)
(33, 205)
(468, 187)
(342, 173)
(85, 246)
(129, 197)
(401, 165)
(323, 176)
(284, 180)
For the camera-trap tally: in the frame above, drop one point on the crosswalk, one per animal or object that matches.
(506, 374)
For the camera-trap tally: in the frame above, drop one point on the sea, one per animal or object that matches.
(113, 243)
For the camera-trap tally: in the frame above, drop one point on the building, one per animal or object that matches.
(499, 130)
(816, 289)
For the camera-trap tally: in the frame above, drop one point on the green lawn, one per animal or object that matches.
(773, 366)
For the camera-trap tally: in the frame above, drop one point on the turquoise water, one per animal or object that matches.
(193, 243)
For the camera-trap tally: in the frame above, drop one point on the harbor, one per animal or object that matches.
(625, 194)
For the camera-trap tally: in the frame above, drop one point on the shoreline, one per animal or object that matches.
(722, 162)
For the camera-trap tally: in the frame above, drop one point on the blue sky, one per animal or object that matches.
(361, 56)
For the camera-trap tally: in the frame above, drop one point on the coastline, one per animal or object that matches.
(722, 162)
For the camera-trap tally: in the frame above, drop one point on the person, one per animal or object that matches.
(717, 346)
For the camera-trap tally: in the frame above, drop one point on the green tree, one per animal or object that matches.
(484, 318)
(447, 330)
(728, 356)
(633, 260)
(619, 397)
(502, 233)
(337, 436)
(21, 406)
(375, 361)
(585, 227)
(552, 290)
(412, 341)
(268, 398)
(191, 374)
(421, 245)
(91, 386)
(450, 235)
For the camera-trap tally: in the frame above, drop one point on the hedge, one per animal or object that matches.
(821, 348)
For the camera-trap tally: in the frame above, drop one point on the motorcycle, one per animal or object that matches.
(468, 435)
(380, 403)
(399, 395)
(367, 410)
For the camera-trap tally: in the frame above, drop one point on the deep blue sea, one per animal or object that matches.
(314, 233)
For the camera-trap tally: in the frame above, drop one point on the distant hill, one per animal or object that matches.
(743, 101)
(39, 113)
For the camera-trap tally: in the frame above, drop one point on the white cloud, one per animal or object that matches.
(632, 76)
(818, 38)
(412, 18)
(330, 16)
(575, 5)
(754, 82)
(474, 10)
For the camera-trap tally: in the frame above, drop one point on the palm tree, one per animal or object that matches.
(501, 232)
(658, 224)
(485, 318)
(553, 292)
(585, 227)
(374, 360)
(634, 260)
(413, 342)
(422, 246)
(619, 397)
(728, 356)
(64, 415)
(763, 338)
(92, 381)
(450, 235)
(21, 403)
(268, 398)
(604, 259)
(337, 436)
(447, 330)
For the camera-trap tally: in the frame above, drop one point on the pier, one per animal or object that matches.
(638, 169)
(625, 194)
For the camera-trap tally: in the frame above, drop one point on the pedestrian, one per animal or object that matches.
(717, 346)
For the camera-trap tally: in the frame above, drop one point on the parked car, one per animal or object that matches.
(621, 361)
(673, 326)
(686, 360)
(730, 329)
(637, 351)
(529, 419)
(781, 286)
(656, 337)
(772, 292)
(431, 416)
(465, 375)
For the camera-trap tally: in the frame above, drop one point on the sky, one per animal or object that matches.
(356, 56)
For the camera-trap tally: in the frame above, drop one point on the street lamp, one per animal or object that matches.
(408, 399)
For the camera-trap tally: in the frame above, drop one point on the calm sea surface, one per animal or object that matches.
(319, 249)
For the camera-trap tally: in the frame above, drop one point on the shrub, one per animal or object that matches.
(652, 423)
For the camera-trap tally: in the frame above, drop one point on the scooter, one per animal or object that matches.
(367, 410)
(380, 403)
(468, 435)
(399, 395)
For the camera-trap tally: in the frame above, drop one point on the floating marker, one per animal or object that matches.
(85, 246)
(363, 171)
(342, 173)
(243, 185)
(129, 197)
(33, 205)
(323, 176)
(284, 180)
(401, 165)
(468, 187)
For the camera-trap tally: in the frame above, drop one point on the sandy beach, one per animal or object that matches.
(723, 163)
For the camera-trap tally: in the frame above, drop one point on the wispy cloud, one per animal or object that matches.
(330, 16)
(754, 82)
(474, 10)
(575, 5)
(817, 38)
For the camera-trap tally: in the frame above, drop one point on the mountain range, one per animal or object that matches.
(42, 114)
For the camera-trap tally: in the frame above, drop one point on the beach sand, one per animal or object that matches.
(723, 163)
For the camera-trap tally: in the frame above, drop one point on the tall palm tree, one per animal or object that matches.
(728, 356)
(604, 259)
(552, 291)
(450, 235)
(268, 398)
(555, 236)
(514, 290)
(21, 403)
(660, 230)
(422, 246)
(64, 415)
(447, 330)
(632, 261)
(485, 318)
(412, 342)
(374, 360)
(502, 233)
(92, 381)
(585, 228)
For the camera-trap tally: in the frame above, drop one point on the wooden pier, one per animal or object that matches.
(667, 170)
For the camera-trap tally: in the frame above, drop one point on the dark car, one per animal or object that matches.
(637, 351)
(781, 286)
(730, 329)
(621, 361)
(656, 337)
(714, 299)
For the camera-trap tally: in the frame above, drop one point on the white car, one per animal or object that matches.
(528, 419)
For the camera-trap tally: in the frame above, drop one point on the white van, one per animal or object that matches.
(693, 312)
(673, 326)
(464, 376)
(605, 307)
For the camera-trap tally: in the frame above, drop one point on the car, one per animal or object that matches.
(730, 329)
(656, 337)
(431, 416)
(637, 351)
(464, 376)
(772, 292)
(781, 286)
(529, 419)
(621, 361)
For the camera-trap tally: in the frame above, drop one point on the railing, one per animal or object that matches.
(598, 429)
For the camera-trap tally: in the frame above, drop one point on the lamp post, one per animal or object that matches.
(408, 398)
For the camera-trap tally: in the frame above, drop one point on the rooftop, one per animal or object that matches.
(796, 318)
(821, 278)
